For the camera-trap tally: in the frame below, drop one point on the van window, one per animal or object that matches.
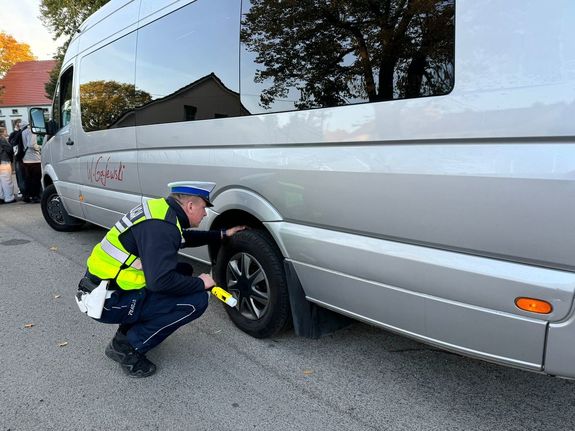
(107, 91)
(187, 63)
(66, 100)
(301, 54)
(62, 108)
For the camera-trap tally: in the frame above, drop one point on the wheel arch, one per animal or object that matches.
(237, 206)
(49, 176)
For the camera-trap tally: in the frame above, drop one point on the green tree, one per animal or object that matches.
(63, 17)
(335, 51)
(105, 102)
(50, 86)
(12, 52)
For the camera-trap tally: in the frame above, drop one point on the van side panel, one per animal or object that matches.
(470, 330)
(503, 200)
(110, 184)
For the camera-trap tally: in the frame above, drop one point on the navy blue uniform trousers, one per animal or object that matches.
(148, 318)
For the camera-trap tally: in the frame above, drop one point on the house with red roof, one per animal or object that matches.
(22, 88)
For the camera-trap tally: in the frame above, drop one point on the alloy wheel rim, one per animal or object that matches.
(247, 281)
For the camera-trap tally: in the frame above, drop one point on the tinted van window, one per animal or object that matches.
(107, 91)
(300, 54)
(62, 108)
(188, 64)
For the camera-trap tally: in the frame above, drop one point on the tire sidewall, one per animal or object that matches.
(70, 224)
(259, 245)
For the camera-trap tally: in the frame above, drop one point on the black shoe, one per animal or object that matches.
(134, 363)
(139, 366)
(118, 348)
(26, 199)
(36, 200)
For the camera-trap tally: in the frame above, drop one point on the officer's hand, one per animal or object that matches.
(235, 229)
(208, 281)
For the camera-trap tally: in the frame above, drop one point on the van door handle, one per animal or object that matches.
(69, 142)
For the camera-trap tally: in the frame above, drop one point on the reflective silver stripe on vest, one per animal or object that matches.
(147, 212)
(119, 255)
(116, 253)
(123, 224)
(127, 221)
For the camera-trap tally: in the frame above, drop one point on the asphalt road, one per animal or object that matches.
(211, 376)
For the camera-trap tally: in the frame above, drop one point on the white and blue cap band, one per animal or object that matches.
(193, 188)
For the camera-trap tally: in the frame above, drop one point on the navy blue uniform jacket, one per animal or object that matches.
(156, 243)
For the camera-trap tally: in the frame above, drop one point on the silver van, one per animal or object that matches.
(407, 164)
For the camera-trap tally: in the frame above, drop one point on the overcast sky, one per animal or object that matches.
(19, 18)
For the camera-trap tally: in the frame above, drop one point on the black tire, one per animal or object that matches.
(250, 267)
(55, 214)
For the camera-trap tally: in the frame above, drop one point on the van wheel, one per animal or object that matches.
(55, 214)
(250, 267)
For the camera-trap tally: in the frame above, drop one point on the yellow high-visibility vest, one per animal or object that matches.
(110, 260)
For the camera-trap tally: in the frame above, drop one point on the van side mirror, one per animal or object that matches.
(37, 121)
(39, 125)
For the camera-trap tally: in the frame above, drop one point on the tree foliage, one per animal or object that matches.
(336, 51)
(63, 17)
(50, 86)
(105, 102)
(12, 52)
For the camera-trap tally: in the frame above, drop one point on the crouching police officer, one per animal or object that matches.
(149, 293)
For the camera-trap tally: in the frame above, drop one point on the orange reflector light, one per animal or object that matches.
(533, 305)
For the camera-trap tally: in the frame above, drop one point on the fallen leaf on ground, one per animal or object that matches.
(54, 248)
(57, 296)
(218, 331)
(62, 344)
(28, 325)
(307, 372)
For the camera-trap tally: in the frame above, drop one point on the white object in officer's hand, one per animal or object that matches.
(93, 303)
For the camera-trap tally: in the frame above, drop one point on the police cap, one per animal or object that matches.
(193, 188)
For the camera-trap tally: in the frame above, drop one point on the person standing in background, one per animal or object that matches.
(17, 163)
(6, 157)
(32, 166)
